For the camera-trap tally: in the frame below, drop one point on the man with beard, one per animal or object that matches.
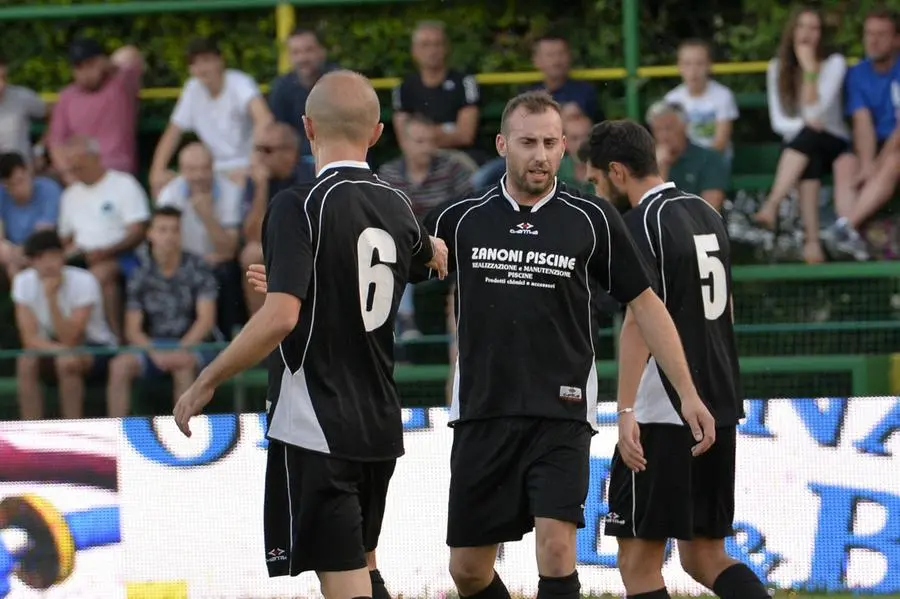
(523, 407)
(660, 487)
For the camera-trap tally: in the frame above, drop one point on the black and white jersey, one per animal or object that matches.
(343, 245)
(524, 304)
(685, 240)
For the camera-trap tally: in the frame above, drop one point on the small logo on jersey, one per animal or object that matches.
(276, 555)
(524, 229)
(570, 393)
(614, 518)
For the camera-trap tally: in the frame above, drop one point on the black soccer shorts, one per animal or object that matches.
(505, 472)
(678, 496)
(321, 513)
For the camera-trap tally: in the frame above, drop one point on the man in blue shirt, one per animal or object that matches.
(288, 93)
(873, 102)
(27, 203)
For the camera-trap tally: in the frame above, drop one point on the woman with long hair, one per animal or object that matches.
(804, 87)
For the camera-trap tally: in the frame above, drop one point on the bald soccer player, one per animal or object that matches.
(337, 251)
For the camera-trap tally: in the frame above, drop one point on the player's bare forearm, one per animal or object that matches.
(633, 354)
(260, 336)
(662, 339)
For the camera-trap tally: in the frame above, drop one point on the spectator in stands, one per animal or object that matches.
(572, 170)
(445, 96)
(101, 103)
(27, 204)
(58, 307)
(287, 97)
(211, 217)
(275, 168)
(873, 101)
(710, 106)
(19, 106)
(804, 86)
(429, 176)
(102, 217)
(692, 168)
(171, 309)
(553, 58)
(222, 106)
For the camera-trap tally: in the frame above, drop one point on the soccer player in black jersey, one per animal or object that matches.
(526, 254)
(340, 246)
(658, 489)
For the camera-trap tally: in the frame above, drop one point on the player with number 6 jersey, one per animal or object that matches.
(659, 488)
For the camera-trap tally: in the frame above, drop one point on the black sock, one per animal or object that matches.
(739, 581)
(379, 591)
(495, 590)
(562, 587)
(362, 597)
(662, 593)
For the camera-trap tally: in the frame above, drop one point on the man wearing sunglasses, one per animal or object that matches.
(275, 166)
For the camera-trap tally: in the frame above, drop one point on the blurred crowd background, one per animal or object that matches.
(127, 220)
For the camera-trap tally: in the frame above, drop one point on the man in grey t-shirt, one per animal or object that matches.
(171, 308)
(18, 107)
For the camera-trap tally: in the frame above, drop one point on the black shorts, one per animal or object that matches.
(505, 472)
(821, 148)
(321, 513)
(678, 496)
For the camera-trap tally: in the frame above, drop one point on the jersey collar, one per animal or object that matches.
(343, 164)
(515, 204)
(655, 190)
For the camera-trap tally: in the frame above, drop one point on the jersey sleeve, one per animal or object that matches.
(615, 261)
(634, 222)
(287, 245)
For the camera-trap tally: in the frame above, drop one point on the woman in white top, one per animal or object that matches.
(804, 87)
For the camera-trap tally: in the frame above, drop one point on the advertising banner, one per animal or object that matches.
(131, 508)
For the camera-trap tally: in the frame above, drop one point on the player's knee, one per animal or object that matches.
(556, 556)
(635, 561)
(470, 572)
(703, 561)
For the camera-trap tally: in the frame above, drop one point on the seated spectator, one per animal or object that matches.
(211, 216)
(288, 93)
(873, 101)
(58, 307)
(275, 168)
(710, 106)
(26, 204)
(429, 177)
(102, 217)
(171, 309)
(222, 106)
(692, 168)
(101, 103)
(804, 94)
(19, 106)
(445, 96)
(572, 170)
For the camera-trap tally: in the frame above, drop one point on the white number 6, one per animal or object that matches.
(714, 291)
(376, 280)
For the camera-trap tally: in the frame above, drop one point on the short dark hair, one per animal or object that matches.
(625, 142)
(534, 102)
(882, 12)
(42, 241)
(166, 211)
(551, 36)
(298, 31)
(9, 162)
(696, 42)
(200, 46)
(420, 119)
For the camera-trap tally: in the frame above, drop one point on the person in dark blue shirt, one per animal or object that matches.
(27, 204)
(288, 93)
(873, 102)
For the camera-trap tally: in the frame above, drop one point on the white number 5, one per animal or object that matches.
(712, 272)
(376, 280)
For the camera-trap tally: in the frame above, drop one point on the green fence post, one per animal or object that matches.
(630, 36)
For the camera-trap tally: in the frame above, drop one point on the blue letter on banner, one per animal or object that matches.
(595, 510)
(874, 442)
(224, 432)
(835, 538)
(824, 426)
(754, 425)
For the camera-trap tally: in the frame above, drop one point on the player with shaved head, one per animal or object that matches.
(338, 252)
